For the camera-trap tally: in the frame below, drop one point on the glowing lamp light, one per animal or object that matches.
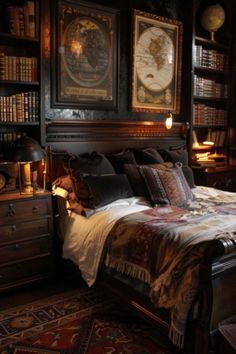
(208, 143)
(169, 121)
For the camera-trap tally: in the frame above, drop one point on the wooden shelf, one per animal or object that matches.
(204, 69)
(211, 44)
(213, 99)
(19, 123)
(20, 83)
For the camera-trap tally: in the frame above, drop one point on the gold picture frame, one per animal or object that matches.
(156, 63)
(85, 55)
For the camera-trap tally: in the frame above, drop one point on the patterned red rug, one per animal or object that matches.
(79, 322)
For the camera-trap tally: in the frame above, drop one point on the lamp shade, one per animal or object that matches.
(27, 149)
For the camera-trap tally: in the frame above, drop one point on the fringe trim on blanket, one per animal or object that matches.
(176, 337)
(130, 269)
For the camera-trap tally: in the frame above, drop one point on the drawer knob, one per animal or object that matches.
(35, 209)
(13, 228)
(1, 276)
(11, 210)
(17, 246)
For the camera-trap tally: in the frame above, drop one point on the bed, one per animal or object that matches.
(169, 253)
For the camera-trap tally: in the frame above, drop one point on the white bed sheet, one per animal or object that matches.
(85, 237)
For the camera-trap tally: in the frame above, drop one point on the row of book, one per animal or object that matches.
(18, 68)
(206, 115)
(210, 58)
(209, 88)
(218, 137)
(22, 19)
(20, 107)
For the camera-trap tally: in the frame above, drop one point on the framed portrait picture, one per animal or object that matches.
(85, 52)
(156, 63)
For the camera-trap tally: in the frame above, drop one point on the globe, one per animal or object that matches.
(213, 17)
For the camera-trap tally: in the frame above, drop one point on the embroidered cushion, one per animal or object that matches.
(167, 185)
(156, 190)
(179, 155)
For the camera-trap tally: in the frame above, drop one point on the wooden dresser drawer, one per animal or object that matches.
(18, 251)
(20, 272)
(26, 239)
(13, 211)
(20, 231)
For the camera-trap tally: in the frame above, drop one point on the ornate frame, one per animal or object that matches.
(156, 64)
(85, 52)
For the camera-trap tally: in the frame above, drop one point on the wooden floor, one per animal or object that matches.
(40, 290)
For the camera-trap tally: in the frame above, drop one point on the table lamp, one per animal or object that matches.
(26, 151)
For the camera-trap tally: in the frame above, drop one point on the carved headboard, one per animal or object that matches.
(108, 137)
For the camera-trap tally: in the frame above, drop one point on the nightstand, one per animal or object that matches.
(26, 239)
(220, 177)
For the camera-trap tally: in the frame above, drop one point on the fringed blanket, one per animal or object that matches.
(164, 247)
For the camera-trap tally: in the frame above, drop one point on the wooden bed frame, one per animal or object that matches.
(216, 301)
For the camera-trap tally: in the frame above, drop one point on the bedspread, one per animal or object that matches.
(164, 247)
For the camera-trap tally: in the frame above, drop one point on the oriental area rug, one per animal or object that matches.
(82, 321)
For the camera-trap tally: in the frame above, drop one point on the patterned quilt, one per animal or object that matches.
(164, 247)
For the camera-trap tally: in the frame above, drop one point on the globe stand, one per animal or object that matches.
(212, 18)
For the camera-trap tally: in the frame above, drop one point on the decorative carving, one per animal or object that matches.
(107, 131)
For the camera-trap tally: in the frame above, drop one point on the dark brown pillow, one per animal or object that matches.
(106, 189)
(94, 163)
(118, 160)
(175, 156)
(147, 156)
(136, 180)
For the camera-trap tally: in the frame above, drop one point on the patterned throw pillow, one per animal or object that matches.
(176, 185)
(166, 185)
(154, 185)
(179, 155)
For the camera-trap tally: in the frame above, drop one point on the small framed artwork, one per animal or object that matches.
(85, 52)
(156, 63)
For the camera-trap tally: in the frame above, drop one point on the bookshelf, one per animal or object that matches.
(19, 72)
(209, 140)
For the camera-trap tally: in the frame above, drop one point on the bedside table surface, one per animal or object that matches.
(17, 195)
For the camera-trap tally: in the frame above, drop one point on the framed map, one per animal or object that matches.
(85, 56)
(156, 65)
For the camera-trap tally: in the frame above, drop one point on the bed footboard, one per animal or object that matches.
(215, 303)
(217, 294)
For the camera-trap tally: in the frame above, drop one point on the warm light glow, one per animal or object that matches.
(169, 121)
(208, 143)
(26, 174)
(76, 47)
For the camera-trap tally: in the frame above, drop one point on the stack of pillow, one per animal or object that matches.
(94, 180)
